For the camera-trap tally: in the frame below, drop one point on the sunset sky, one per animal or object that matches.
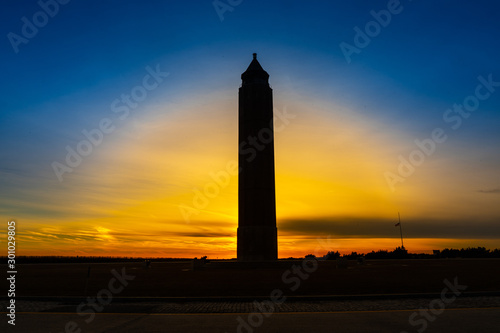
(349, 108)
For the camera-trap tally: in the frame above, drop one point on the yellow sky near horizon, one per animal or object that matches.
(136, 194)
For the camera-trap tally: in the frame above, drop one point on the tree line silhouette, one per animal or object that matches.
(402, 253)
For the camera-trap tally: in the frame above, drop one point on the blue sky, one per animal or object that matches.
(396, 90)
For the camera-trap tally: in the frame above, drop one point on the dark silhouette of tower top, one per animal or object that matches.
(255, 73)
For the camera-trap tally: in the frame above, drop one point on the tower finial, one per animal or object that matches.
(255, 73)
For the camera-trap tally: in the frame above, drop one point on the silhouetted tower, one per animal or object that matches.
(257, 232)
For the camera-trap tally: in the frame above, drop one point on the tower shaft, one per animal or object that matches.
(257, 232)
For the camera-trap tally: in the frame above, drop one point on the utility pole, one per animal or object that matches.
(400, 230)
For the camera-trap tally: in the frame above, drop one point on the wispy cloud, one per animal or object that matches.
(362, 227)
(495, 190)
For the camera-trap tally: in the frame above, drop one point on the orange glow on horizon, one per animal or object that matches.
(145, 193)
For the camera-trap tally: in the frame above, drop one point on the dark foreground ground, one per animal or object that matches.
(177, 279)
(171, 297)
(464, 314)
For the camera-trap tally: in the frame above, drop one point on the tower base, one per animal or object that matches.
(257, 243)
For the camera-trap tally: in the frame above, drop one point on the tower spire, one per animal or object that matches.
(255, 73)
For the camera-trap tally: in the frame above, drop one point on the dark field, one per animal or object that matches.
(176, 279)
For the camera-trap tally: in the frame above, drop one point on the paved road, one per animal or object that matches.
(395, 321)
(463, 314)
